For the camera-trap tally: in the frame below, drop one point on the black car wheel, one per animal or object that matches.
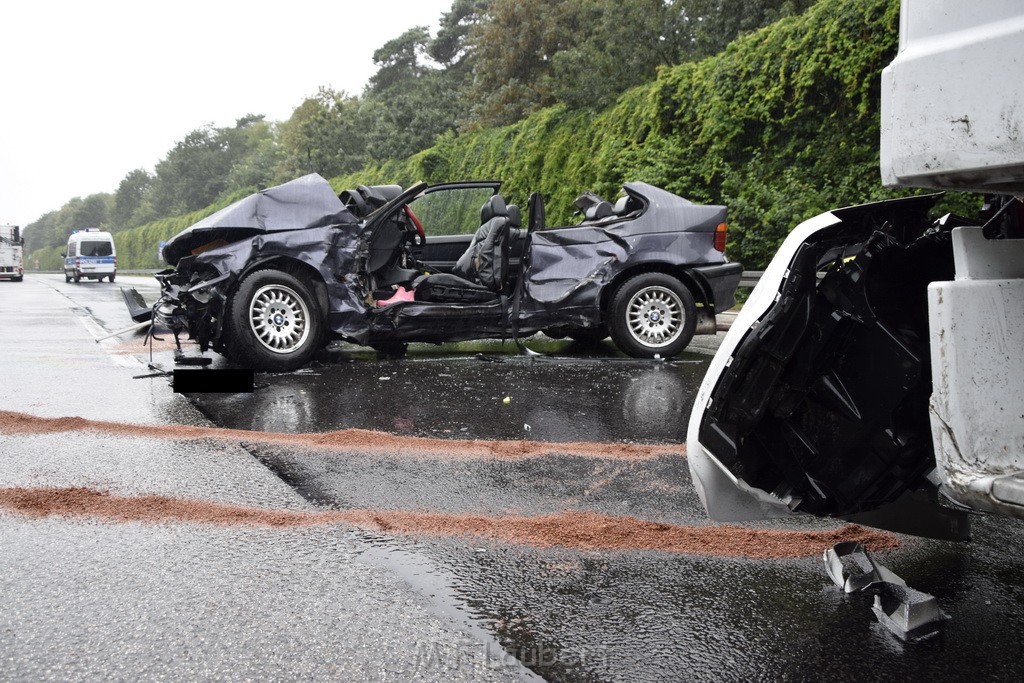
(77, 277)
(272, 322)
(111, 277)
(652, 314)
(67, 278)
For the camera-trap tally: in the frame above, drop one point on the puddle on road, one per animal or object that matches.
(440, 589)
(453, 397)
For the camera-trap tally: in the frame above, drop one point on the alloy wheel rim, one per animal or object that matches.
(654, 316)
(279, 318)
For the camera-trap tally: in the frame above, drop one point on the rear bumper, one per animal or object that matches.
(720, 281)
(96, 271)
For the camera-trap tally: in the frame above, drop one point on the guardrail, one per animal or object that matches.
(750, 278)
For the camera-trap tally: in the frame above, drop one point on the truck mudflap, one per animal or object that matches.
(817, 400)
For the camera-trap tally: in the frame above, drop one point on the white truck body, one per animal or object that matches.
(953, 118)
(12, 265)
(952, 100)
(876, 373)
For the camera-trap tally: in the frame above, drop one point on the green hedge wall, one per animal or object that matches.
(780, 126)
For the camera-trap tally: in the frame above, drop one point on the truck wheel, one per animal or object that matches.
(77, 277)
(652, 314)
(272, 322)
(111, 277)
(18, 279)
(67, 278)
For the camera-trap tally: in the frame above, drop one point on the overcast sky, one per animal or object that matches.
(90, 90)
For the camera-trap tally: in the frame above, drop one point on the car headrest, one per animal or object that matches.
(598, 211)
(515, 218)
(495, 206)
(621, 205)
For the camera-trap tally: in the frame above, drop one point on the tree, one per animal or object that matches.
(94, 211)
(52, 229)
(705, 27)
(197, 170)
(620, 45)
(399, 61)
(129, 197)
(409, 103)
(41, 232)
(324, 135)
(512, 51)
(258, 164)
(530, 54)
(451, 45)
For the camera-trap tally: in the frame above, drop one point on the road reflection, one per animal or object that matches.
(487, 396)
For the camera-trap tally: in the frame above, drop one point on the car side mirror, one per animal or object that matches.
(63, 255)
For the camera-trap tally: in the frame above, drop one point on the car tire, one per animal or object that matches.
(272, 322)
(77, 278)
(18, 279)
(652, 314)
(111, 277)
(67, 278)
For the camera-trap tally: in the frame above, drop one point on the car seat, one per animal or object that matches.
(597, 211)
(626, 205)
(481, 272)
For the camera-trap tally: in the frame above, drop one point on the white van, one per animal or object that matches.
(90, 254)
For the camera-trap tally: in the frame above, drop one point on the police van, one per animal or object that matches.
(90, 254)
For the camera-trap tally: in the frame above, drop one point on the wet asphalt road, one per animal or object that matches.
(199, 602)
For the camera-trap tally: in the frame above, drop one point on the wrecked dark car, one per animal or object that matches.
(274, 277)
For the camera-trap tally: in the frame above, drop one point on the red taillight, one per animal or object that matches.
(115, 262)
(721, 233)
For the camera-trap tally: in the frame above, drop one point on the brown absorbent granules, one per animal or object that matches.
(84, 502)
(571, 529)
(136, 347)
(345, 439)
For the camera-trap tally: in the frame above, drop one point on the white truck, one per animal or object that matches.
(12, 266)
(876, 373)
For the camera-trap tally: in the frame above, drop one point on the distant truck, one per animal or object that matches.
(12, 266)
(90, 254)
(876, 373)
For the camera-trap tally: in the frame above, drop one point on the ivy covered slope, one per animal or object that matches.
(780, 126)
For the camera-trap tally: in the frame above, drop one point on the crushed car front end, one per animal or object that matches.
(192, 300)
(818, 399)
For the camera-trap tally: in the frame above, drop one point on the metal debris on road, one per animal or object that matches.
(910, 614)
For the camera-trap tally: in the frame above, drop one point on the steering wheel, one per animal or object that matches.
(421, 235)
